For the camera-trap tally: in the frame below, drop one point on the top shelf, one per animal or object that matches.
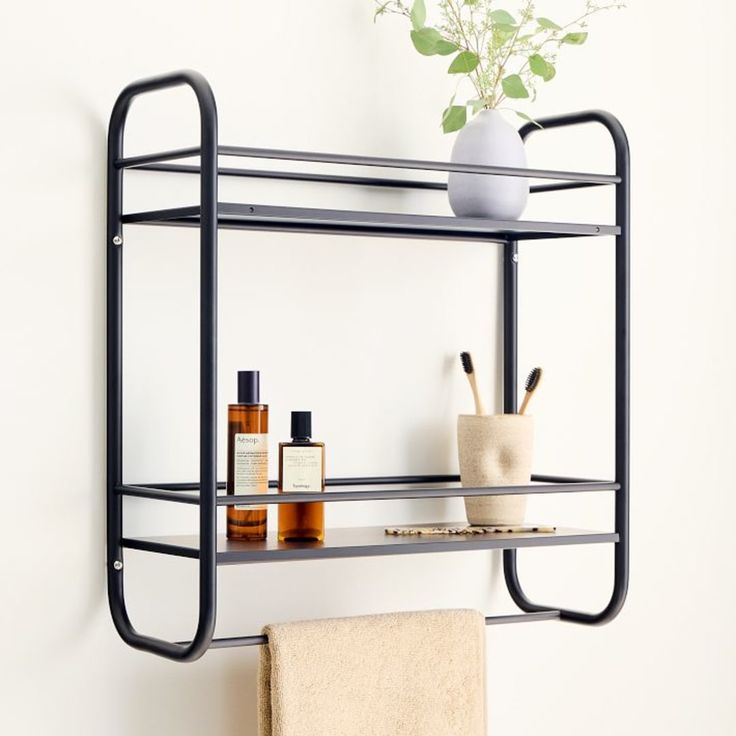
(315, 220)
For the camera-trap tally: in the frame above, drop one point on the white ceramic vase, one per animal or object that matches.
(491, 141)
(495, 450)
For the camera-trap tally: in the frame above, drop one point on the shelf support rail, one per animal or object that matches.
(208, 364)
(622, 360)
(160, 162)
(176, 492)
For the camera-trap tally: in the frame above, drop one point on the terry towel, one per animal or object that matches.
(396, 674)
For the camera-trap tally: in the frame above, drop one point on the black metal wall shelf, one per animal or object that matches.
(210, 215)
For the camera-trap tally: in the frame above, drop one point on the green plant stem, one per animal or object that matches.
(474, 77)
(502, 66)
(556, 38)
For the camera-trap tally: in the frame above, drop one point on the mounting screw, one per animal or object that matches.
(515, 257)
(117, 565)
(117, 240)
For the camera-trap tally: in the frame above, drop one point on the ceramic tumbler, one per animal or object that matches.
(495, 450)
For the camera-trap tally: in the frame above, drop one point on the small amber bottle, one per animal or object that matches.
(247, 458)
(301, 470)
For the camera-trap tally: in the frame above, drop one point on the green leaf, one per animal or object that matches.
(538, 65)
(471, 2)
(541, 67)
(548, 24)
(513, 87)
(464, 63)
(524, 116)
(501, 37)
(575, 38)
(505, 27)
(418, 14)
(476, 105)
(453, 118)
(503, 16)
(425, 40)
(445, 48)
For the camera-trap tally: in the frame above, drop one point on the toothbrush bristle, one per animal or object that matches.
(467, 362)
(532, 380)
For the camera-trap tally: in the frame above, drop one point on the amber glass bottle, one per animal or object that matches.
(247, 458)
(301, 470)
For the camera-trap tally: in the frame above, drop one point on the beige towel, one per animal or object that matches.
(397, 674)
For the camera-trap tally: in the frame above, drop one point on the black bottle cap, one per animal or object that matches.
(249, 387)
(301, 425)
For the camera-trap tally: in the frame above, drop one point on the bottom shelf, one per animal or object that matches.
(362, 542)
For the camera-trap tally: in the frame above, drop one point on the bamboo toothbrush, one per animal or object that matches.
(468, 368)
(532, 382)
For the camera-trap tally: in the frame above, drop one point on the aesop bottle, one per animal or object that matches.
(247, 458)
(301, 470)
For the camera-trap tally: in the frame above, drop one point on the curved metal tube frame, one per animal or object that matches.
(208, 366)
(621, 550)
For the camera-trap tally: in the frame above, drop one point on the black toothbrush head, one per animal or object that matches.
(532, 380)
(467, 362)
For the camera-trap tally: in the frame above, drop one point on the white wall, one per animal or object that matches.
(370, 346)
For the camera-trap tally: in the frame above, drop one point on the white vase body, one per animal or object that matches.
(488, 140)
(495, 450)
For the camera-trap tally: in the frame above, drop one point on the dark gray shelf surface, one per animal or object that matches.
(309, 219)
(362, 542)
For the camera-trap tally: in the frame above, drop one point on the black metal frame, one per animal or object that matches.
(210, 215)
(622, 358)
